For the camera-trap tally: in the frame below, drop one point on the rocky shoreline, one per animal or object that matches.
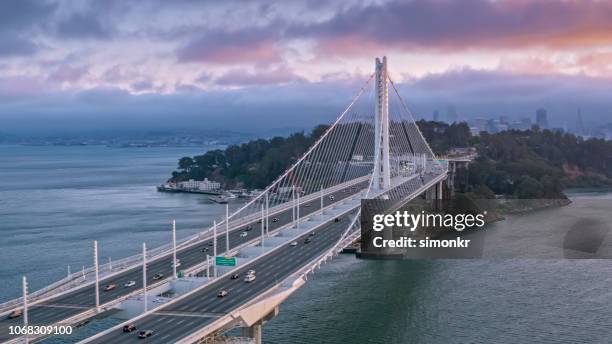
(522, 206)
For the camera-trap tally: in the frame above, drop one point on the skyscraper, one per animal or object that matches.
(436, 116)
(451, 115)
(542, 118)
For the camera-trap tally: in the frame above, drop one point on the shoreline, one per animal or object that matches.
(524, 206)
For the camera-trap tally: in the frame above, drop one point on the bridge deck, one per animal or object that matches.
(193, 312)
(80, 300)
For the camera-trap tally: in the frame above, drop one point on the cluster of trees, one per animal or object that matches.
(441, 136)
(254, 164)
(523, 164)
(537, 164)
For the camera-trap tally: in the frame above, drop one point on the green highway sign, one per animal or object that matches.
(226, 261)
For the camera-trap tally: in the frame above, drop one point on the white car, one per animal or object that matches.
(293, 243)
(178, 263)
(145, 334)
(129, 284)
(332, 197)
(243, 234)
(249, 278)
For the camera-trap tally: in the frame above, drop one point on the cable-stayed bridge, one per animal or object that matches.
(373, 149)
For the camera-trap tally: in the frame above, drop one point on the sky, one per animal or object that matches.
(70, 66)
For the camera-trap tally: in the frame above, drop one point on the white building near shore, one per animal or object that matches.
(202, 185)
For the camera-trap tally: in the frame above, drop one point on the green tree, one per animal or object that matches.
(185, 163)
(529, 188)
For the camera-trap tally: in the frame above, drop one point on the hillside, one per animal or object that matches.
(521, 164)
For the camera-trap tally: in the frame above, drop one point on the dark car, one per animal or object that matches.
(129, 328)
(235, 276)
(82, 323)
(158, 276)
(337, 219)
(205, 249)
(15, 314)
(210, 243)
(248, 228)
(307, 240)
(275, 219)
(312, 234)
(145, 334)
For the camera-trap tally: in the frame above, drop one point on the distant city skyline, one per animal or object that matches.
(540, 117)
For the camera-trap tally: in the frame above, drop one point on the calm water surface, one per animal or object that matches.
(54, 201)
(522, 300)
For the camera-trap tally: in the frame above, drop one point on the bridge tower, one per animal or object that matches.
(382, 173)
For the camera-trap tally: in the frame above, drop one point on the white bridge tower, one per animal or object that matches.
(382, 173)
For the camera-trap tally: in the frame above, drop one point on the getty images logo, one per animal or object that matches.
(404, 219)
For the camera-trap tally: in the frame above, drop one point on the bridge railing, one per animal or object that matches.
(87, 275)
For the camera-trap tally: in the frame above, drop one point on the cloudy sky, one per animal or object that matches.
(85, 65)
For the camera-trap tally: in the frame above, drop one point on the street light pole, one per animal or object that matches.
(227, 229)
(267, 214)
(298, 210)
(144, 274)
(321, 199)
(25, 307)
(293, 205)
(174, 248)
(215, 248)
(97, 275)
(262, 227)
(207, 266)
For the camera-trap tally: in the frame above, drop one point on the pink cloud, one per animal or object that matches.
(249, 46)
(460, 25)
(241, 77)
(65, 73)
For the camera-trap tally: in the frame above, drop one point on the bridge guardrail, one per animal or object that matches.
(204, 285)
(91, 312)
(86, 275)
(346, 238)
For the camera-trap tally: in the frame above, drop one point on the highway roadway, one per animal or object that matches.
(83, 299)
(175, 321)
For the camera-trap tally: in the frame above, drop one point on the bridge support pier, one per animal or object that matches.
(453, 167)
(254, 332)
